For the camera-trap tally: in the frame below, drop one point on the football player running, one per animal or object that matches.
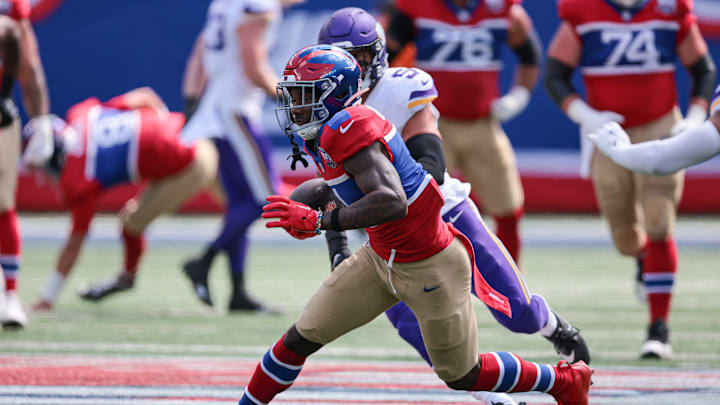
(412, 254)
(662, 156)
(626, 50)
(231, 56)
(460, 44)
(129, 138)
(404, 96)
(19, 59)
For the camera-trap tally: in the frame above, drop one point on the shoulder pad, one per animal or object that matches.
(351, 130)
(402, 92)
(569, 10)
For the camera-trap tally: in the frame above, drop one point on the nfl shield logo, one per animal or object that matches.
(328, 160)
(667, 6)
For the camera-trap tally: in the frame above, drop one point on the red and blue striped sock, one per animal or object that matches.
(10, 248)
(507, 372)
(659, 268)
(275, 373)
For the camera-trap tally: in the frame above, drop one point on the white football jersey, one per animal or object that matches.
(227, 83)
(398, 95)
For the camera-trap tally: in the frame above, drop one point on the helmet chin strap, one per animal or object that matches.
(356, 97)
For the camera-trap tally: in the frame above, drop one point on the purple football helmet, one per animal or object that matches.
(353, 29)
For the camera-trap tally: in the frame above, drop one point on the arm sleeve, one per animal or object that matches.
(667, 156)
(427, 150)
(400, 28)
(557, 81)
(703, 75)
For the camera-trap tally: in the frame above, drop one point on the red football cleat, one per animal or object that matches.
(572, 383)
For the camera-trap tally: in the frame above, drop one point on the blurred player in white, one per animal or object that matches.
(19, 60)
(229, 72)
(627, 50)
(662, 156)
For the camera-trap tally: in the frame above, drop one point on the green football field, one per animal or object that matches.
(569, 260)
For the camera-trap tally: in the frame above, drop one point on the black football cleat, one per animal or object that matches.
(98, 291)
(657, 346)
(568, 342)
(197, 272)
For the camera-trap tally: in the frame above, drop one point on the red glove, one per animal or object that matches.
(299, 220)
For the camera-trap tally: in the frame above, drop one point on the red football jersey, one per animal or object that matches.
(15, 9)
(462, 50)
(114, 146)
(419, 235)
(628, 58)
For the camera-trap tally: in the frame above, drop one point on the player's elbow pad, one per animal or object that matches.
(530, 51)
(703, 74)
(428, 151)
(557, 81)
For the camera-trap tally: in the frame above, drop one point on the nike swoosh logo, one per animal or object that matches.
(424, 82)
(431, 289)
(453, 219)
(343, 130)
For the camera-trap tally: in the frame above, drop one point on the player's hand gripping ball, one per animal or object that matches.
(299, 220)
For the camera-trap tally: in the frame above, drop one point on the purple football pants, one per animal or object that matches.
(529, 311)
(243, 208)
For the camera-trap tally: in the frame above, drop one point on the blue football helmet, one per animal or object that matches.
(318, 82)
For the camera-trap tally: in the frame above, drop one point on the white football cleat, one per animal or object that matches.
(493, 398)
(13, 315)
(657, 345)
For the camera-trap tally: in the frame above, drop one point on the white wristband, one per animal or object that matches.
(579, 111)
(696, 114)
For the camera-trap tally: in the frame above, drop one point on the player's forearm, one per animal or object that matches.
(667, 156)
(32, 75)
(194, 79)
(262, 76)
(703, 73)
(527, 76)
(375, 208)
(69, 253)
(558, 83)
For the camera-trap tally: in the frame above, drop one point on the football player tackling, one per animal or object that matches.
(404, 97)
(412, 255)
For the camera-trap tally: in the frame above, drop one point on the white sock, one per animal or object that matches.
(53, 285)
(493, 397)
(551, 325)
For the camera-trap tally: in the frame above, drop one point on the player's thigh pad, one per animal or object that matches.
(658, 195)
(9, 155)
(351, 296)
(166, 195)
(615, 192)
(437, 290)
